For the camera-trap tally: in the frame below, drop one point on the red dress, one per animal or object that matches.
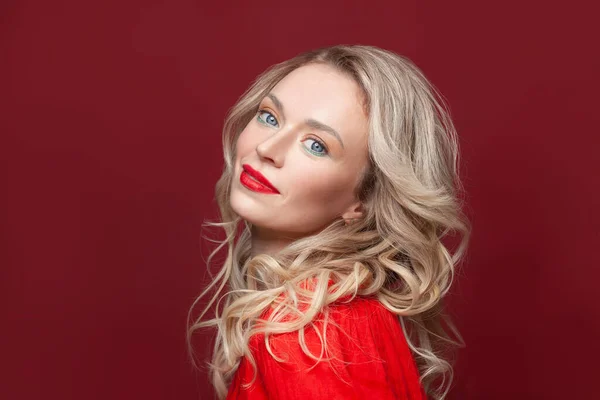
(370, 360)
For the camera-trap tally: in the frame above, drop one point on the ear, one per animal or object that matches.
(354, 211)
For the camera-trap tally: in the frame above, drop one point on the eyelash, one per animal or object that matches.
(262, 121)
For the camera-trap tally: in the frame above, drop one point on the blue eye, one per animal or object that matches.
(317, 148)
(269, 119)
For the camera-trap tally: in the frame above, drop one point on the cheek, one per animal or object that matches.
(244, 143)
(327, 187)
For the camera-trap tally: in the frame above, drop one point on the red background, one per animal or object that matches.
(110, 118)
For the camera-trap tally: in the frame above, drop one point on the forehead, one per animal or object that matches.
(323, 93)
(315, 86)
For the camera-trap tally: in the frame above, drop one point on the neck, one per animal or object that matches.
(264, 241)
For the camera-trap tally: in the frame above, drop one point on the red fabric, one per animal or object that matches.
(368, 350)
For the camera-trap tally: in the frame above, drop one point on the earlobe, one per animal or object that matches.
(355, 211)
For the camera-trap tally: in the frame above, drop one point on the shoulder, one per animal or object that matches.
(358, 318)
(360, 331)
(359, 348)
(359, 315)
(362, 309)
(361, 325)
(367, 329)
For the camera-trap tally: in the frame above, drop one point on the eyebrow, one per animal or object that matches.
(309, 122)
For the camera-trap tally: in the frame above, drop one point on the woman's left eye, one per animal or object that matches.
(267, 119)
(317, 148)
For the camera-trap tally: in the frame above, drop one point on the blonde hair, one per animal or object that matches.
(411, 199)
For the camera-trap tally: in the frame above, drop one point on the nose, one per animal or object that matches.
(275, 147)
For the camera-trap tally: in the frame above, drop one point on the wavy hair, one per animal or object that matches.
(411, 197)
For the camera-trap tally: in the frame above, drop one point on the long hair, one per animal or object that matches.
(411, 197)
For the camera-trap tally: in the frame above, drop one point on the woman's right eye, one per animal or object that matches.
(266, 117)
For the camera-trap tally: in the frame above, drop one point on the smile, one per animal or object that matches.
(255, 181)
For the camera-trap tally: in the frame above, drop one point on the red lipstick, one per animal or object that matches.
(254, 180)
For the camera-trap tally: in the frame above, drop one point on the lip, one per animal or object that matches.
(259, 177)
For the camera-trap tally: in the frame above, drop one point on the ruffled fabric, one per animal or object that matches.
(369, 359)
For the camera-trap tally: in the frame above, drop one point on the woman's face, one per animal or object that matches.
(309, 140)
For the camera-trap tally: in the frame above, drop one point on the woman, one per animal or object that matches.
(341, 171)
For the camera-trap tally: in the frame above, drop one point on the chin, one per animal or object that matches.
(244, 207)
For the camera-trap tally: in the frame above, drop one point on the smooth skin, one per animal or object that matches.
(309, 139)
